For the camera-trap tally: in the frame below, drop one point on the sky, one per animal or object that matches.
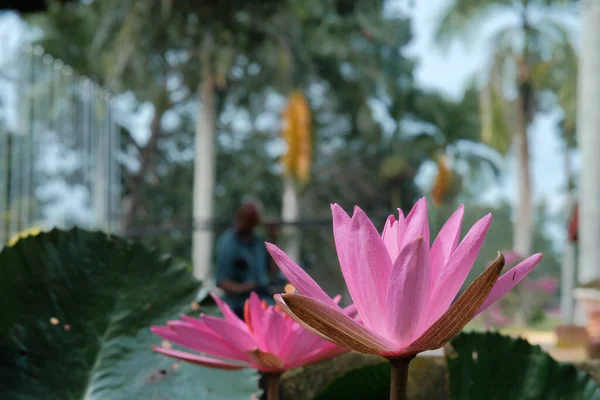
(449, 71)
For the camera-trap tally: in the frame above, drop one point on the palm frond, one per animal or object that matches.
(494, 108)
(463, 17)
(479, 155)
(553, 3)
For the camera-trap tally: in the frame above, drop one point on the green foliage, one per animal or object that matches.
(463, 18)
(480, 366)
(492, 366)
(75, 318)
(69, 32)
(370, 382)
(559, 76)
(496, 130)
(344, 55)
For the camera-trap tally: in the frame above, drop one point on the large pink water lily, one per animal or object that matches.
(402, 288)
(266, 340)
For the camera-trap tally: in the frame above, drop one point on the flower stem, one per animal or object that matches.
(399, 381)
(272, 386)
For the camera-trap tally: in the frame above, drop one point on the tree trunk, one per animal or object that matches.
(588, 123)
(290, 213)
(100, 183)
(204, 168)
(146, 153)
(523, 227)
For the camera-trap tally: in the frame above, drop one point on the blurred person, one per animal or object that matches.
(242, 262)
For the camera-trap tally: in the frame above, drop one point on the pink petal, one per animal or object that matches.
(453, 276)
(257, 321)
(411, 214)
(407, 294)
(239, 338)
(199, 360)
(228, 313)
(209, 343)
(195, 322)
(291, 350)
(392, 235)
(201, 325)
(510, 279)
(350, 310)
(163, 331)
(276, 327)
(458, 314)
(333, 325)
(417, 223)
(297, 276)
(365, 264)
(327, 350)
(296, 343)
(401, 230)
(445, 243)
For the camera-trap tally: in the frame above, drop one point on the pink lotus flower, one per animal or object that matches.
(403, 289)
(266, 340)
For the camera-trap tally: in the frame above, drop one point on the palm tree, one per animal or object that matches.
(560, 77)
(509, 96)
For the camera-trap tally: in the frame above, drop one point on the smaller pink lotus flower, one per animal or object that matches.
(267, 339)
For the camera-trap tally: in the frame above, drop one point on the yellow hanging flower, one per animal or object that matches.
(442, 181)
(296, 131)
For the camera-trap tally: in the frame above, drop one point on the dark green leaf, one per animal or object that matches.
(426, 381)
(74, 323)
(371, 382)
(491, 366)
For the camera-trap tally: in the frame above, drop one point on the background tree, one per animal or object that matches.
(207, 35)
(519, 50)
(374, 130)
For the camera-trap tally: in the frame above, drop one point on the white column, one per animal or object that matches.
(290, 213)
(588, 122)
(204, 171)
(567, 284)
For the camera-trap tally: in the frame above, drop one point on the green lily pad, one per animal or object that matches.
(479, 366)
(370, 382)
(492, 366)
(74, 323)
(426, 381)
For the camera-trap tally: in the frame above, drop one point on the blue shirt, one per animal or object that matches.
(241, 259)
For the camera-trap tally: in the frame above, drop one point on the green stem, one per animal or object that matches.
(272, 386)
(399, 381)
